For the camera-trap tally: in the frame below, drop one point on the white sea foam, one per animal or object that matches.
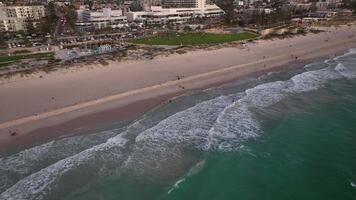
(156, 147)
(352, 184)
(347, 72)
(38, 185)
(265, 94)
(17, 162)
(200, 116)
(19, 165)
(176, 185)
(312, 80)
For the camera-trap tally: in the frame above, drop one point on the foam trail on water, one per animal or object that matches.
(176, 185)
(40, 184)
(352, 184)
(237, 122)
(193, 171)
(163, 145)
(17, 166)
(346, 64)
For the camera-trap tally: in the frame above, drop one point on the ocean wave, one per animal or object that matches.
(312, 80)
(26, 162)
(160, 146)
(39, 185)
(346, 70)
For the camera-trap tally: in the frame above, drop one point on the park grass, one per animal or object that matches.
(194, 38)
(13, 58)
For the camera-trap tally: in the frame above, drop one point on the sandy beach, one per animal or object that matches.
(45, 106)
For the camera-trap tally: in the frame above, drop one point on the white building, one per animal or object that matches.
(105, 18)
(183, 3)
(159, 15)
(15, 18)
(328, 4)
(2, 17)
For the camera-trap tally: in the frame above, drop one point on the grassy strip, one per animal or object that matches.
(13, 58)
(194, 38)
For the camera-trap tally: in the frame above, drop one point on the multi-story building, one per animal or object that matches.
(2, 17)
(15, 18)
(183, 3)
(320, 5)
(159, 15)
(105, 18)
(328, 4)
(25, 12)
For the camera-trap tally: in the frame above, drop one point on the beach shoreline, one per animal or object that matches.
(126, 105)
(88, 123)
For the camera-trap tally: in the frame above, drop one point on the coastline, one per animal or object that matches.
(111, 115)
(128, 106)
(128, 112)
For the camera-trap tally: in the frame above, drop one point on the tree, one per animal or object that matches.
(350, 4)
(48, 23)
(353, 6)
(313, 7)
(136, 6)
(30, 29)
(2, 39)
(90, 3)
(71, 16)
(228, 16)
(187, 28)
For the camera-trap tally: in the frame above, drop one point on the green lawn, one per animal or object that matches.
(194, 38)
(13, 58)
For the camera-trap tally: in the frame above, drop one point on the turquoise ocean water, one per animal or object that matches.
(286, 135)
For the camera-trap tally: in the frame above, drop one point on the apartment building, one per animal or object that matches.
(25, 12)
(15, 18)
(104, 18)
(2, 16)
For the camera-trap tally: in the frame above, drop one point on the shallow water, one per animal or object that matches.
(286, 135)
